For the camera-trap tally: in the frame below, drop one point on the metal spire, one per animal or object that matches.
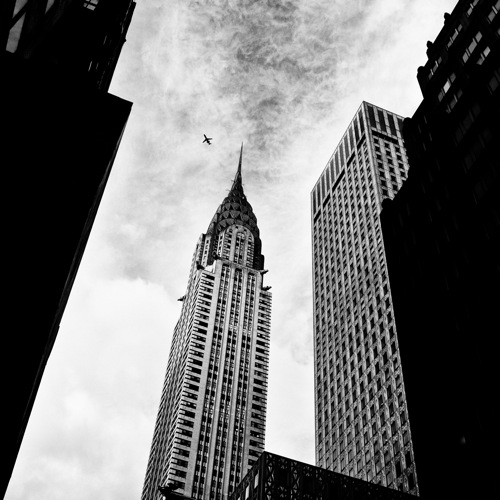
(237, 179)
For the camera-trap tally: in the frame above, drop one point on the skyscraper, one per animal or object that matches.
(442, 237)
(211, 423)
(362, 426)
(60, 133)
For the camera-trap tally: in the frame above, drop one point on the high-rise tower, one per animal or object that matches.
(61, 129)
(211, 422)
(442, 237)
(361, 416)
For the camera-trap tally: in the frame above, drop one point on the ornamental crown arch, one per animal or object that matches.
(235, 212)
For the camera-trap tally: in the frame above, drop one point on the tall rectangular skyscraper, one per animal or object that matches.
(211, 422)
(362, 426)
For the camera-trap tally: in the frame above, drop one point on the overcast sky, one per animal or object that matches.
(283, 77)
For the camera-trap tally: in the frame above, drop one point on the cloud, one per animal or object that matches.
(92, 411)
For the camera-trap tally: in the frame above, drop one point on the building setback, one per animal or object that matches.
(60, 133)
(274, 477)
(211, 422)
(362, 427)
(442, 235)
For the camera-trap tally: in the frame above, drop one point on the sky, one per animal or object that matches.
(284, 78)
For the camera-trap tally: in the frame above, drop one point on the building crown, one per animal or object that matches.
(235, 209)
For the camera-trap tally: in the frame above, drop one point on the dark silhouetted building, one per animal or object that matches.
(211, 421)
(60, 133)
(442, 239)
(274, 477)
(362, 426)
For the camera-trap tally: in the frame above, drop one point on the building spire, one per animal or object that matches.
(236, 210)
(237, 178)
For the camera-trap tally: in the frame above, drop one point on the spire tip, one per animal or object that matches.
(237, 178)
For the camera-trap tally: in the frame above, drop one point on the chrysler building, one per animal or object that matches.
(211, 422)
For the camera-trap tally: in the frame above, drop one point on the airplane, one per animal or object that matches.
(264, 271)
(182, 298)
(207, 139)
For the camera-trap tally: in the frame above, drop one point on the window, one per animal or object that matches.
(90, 4)
(467, 121)
(398, 468)
(472, 46)
(494, 82)
(434, 67)
(458, 29)
(411, 481)
(471, 7)
(483, 55)
(494, 11)
(454, 99)
(446, 86)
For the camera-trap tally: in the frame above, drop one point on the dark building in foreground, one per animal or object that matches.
(274, 477)
(442, 239)
(60, 133)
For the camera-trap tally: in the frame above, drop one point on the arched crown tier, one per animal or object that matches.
(236, 210)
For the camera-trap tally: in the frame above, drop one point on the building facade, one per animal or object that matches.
(274, 477)
(362, 427)
(82, 38)
(211, 422)
(61, 130)
(442, 238)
